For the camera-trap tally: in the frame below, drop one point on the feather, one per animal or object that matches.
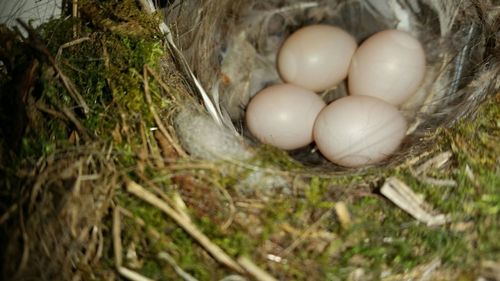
(203, 138)
(212, 108)
(244, 72)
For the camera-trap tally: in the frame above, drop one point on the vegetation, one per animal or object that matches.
(293, 235)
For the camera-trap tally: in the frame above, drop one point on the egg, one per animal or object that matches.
(389, 65)
(316, 57)
(283, 115)
(359, 130)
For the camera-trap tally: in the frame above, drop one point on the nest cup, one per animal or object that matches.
(231, 47)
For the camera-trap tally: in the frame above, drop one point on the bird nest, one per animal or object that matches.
(126, 154)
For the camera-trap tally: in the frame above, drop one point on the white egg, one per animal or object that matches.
(283, 115)
(389, 65)
(316, 57)
(359, 130)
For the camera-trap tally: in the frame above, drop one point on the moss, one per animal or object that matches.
(269, 156)
(106, 68)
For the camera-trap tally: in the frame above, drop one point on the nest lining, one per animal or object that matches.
(231, 47)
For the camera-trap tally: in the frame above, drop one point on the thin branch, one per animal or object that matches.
(254, 270)
(402, 195)
(117, 240)
(74, 14)
(188, 226)
(37, 43)
(305, 234)
(168, 152)
(77, 123)
(343, 214)
(5, 216)
(69, 44)
(42, 107)
(436, 162)
(183, 274)
(437, 182)
(158, 121)
(132, 275)
(162, 84)
(26, 244)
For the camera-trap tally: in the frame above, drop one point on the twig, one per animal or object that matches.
(26, 244)
(142, 152)
(75, 193)
(5, 216)
(430, 269)
(191, 229)
(168, 152)
(232, 209)
(191, 166)
(72, 90)
(180, 206)
(100, 247)
(117, 240)
(304, 234)
(158, 121)
(230, 203)
(254, 270)
(154, 150)
(183, 274)
(158, 192)
(74, 14)
(91, 245)
(42, 107)
(37, 43)
(132, 275)
(69, 44)
(251, 204)
(37, 187)
(402, 195)
(437, 182)
(77, 123)
(436, 162)
(343, 214)
(470, 174)
(160, 81)
(233, 277)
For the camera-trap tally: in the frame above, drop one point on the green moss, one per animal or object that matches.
(152, 269)
(269, 156)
